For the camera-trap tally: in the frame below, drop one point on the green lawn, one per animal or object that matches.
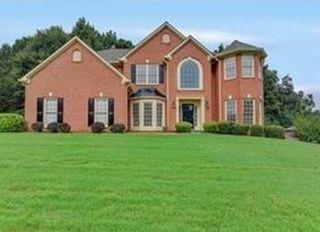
(143, 182)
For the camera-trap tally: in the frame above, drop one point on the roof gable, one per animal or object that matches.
(150, 36)
(27, 78)
(191, 39)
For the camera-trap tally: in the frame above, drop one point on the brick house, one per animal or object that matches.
(165, 78)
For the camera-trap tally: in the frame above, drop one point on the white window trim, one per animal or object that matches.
(147, 76)
(226, 109)
(95, 108)
(253, 66)
(225, 68)
(154, 126)
(254, 110)
(45, 109)
(200, 74)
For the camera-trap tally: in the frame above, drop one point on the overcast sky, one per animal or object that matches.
(289, 30)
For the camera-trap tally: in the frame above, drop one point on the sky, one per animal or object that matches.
(289, 30)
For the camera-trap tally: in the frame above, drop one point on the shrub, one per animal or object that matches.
(226, 127)
(97, 127)
(241, 129)
(37, 127)
(183, 127)
(210, 127)
(273, 131)
(53, 127)
(12, 123)
(308, 128)
(257, 130)
(118, 128)
(64, 127)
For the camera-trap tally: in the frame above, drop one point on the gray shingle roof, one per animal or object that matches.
(113, 54)
(147, 92)
(236, 46)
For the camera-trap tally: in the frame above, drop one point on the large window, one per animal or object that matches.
(101, 110)
(248, 112)
(147, 115)
(190, 74)
(231, 111)
(147, 74)
(247, 66)
(51, 110)
(230, 68)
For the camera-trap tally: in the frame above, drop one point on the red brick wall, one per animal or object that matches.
(76, 82)
(207, 93)
(240, 87)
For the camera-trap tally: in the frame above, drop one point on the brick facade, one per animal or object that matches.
(76, 82)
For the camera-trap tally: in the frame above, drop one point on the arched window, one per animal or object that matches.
(190, 74)
(76, 56)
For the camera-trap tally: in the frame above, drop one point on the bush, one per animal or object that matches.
(241, 129)
(273, 131)
(37, 127)
(183, 127)
(257, 130)
(210, 127)
(308, 128)
(53, 127)
(12, 123)
(226, 127)
(97, 127)
(118, 128)
(64, 127)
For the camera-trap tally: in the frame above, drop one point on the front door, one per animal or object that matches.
(188, 113)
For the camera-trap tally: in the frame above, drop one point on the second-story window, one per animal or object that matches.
(247, 66)
(230, 68)
(147, 74)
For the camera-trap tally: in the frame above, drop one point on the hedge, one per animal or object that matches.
(12, 123)
(308, 128)
(273, 131)
(257, 130)
(183, 127)
(210, 127)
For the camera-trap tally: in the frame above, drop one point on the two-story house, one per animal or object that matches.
(164, 79)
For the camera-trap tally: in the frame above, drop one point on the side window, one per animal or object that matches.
(247, 66)
(230, 68)
(101, 110)
(50, 110)
(231, 111)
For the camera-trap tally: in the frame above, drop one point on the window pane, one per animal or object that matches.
(51, 112)
(141, 74)
(231, 111)
(159, 114)
(136, 114)
(153, 74)
(189, 75)
(147, 117)
(101, 110)
(230, 67)
(248, 113)
(247, 65)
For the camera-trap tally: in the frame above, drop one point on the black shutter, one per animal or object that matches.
(110, 111)
(40, 109)
(133, 73)
(90, 111)
(60, 110)
(161, 73)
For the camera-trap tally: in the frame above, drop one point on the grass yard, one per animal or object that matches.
(143, 182)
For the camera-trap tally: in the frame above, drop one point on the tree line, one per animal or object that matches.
(282, 103)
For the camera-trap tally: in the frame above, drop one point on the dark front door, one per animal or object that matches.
(188, 113)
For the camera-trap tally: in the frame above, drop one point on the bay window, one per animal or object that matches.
(231, 111)
(230, 68)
